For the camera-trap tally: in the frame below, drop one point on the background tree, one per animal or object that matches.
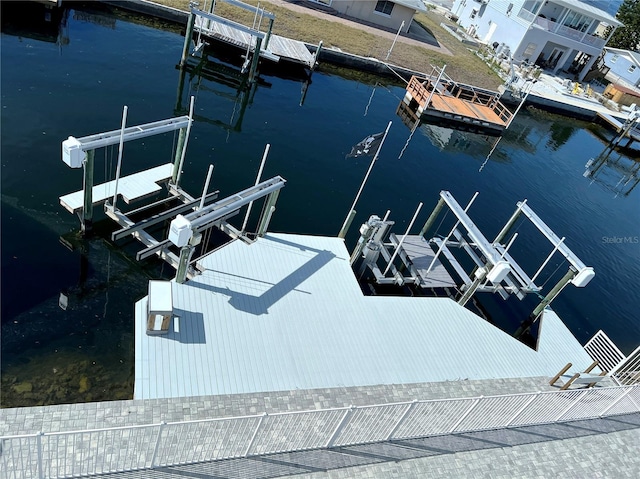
(627, 37)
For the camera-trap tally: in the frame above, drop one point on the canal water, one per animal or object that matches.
(72, 75)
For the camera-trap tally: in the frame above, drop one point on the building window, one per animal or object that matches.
(384, 6)
(614, 58)
(529, 50)
(632, 68)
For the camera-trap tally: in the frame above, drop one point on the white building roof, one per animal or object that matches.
(415, 4)
(287, 313)
(633, 57)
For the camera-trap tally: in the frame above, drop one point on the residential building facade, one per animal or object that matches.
(624, 66)
(385, 13)
(554, 34)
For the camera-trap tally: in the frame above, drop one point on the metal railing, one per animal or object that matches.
(625, 370)
(131, 448)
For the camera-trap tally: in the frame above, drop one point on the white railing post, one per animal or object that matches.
(343, 422)
(521, 410)
(157, 446)
(468, 411)
(615, 402)
(255, 434)
(566, 410)
(39, 444)
(402, 418)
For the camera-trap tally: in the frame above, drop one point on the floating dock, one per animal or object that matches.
(454, 104)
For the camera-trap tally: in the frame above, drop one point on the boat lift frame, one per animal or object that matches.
(495, 270)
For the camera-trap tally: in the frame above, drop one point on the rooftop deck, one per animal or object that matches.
(287, 313)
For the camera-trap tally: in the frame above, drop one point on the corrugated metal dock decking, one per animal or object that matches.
(131, 188)
(287, 313)
(286, 48)
(421, 256)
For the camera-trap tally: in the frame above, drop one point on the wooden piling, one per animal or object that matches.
(87, 210)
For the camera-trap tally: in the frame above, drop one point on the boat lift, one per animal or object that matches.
(190, 219)
(80, 153)
(428, 263)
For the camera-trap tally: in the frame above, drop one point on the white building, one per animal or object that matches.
(555, 34)
(385, 13)
(624, 66)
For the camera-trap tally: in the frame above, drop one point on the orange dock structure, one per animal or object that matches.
(446, 102)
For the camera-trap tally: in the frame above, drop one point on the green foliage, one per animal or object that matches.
(627, 37)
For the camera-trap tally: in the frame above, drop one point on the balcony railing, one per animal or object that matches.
(568, 32)
(526, 15)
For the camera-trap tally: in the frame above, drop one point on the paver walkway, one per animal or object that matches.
(605, 447)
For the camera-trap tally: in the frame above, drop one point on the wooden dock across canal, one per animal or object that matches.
(459, 105)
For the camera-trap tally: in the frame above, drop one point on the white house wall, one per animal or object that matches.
(498, 21)
(365, 10)
(620, 68)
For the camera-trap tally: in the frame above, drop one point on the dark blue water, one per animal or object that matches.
(74, 80)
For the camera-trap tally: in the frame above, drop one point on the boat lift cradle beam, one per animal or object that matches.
(100, 140)
(80, 152)
(185, 230)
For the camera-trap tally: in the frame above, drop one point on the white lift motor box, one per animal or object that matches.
(72, 153)
(180, 232)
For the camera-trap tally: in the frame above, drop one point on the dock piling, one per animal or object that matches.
(254, 61)
(86, 220)
(187, 38)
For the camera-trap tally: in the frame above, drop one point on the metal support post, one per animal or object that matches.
(269, 208)
(39, 443)
(510, 223)
(120, 148)
(345, 225)
(553, 293)
(183, 151)
(394, 41)
(187, 39)
(255, 434)
(183, 265)
(206, 187)
(622, 396)
(581, 394)
(157, 446)
(433, 90)
(181, 76)
(268, 36)
(254, 61)
(480, 276)
(87, 210)
(443, 245)
(467, 412)
(395, 253)
(176, 161)
(401, 420)
(343, 422)
(434, 214)
(249, 206)
(521, 410)
(316, 56)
